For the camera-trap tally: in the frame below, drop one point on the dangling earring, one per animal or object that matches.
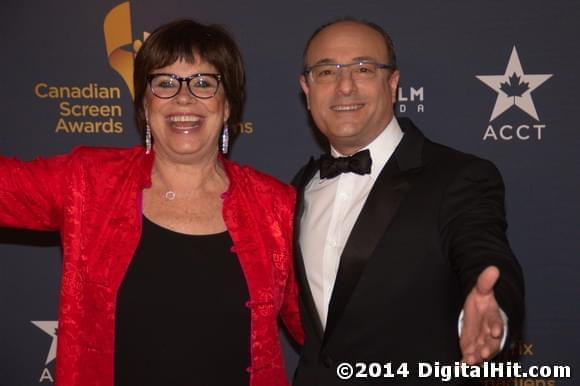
(147, 138)
(225, 140)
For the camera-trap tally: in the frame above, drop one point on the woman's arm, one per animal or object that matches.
(31, 192)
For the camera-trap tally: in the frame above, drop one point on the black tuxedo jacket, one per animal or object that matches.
(432, 222)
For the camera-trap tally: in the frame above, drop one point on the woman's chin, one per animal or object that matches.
(185, 130)
(188, 150)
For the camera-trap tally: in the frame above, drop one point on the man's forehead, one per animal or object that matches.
(346, 41)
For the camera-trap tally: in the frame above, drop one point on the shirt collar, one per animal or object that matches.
(381, 148)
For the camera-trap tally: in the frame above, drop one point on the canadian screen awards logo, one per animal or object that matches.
(514, 90)
(87, 107)
(119, 35)
(50, 328)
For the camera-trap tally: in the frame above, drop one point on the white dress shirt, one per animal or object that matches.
(331, 207)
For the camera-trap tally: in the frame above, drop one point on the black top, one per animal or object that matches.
(181, 315)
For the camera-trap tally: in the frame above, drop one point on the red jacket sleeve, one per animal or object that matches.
(31, 193)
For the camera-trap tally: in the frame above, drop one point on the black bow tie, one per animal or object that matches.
(359, 163)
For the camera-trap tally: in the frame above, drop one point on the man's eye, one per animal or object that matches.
(325, 72)
(365, 69)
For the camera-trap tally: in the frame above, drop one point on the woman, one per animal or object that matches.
(177, 262)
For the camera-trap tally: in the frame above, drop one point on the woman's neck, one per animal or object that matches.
(207, 175)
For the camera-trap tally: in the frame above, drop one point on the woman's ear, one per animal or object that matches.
(226, 113)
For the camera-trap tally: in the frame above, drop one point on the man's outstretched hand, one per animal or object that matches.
(482, 322)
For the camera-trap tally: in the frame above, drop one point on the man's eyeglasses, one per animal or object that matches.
(203, 86)
(330, 73)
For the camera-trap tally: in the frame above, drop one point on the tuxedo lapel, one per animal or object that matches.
(377, 213)
(300, 182)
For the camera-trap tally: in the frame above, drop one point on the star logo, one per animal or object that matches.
(51, 329)
(514, 88)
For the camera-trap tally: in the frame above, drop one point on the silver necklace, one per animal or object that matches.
(169, 194)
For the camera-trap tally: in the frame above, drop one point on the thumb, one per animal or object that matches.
(486, 280)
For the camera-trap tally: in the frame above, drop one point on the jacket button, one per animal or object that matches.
(328, 362)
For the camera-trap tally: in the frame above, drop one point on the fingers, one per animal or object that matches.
(496, 328)
(483, 344)
(480, 352)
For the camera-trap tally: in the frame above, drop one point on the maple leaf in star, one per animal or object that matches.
(515, 87)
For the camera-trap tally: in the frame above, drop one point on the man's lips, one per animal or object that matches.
(347, 107)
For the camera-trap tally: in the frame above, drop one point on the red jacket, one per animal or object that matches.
(93, 197)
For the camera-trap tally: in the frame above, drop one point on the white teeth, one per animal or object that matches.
(184, 118)
(347, 107)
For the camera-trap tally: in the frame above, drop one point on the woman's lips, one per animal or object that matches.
(185, 123)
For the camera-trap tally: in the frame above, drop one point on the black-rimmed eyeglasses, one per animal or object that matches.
(203, 86)
(330, 72)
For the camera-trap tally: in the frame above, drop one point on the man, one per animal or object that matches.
(398, 251)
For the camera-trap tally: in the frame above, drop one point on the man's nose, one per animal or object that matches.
(345, 82)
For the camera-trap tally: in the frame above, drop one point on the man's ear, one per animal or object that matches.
(306, 89)
(394, 84)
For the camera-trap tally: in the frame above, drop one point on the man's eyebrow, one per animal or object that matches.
(364, 59)
(354, 60)
(325, 61)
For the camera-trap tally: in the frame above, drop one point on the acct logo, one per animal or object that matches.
(514, 89)
(51, 328)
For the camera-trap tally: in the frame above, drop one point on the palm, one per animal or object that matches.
(482, 323)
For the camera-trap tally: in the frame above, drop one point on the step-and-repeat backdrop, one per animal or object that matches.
(496, 78)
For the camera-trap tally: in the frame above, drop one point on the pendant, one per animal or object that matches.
(170, 195)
